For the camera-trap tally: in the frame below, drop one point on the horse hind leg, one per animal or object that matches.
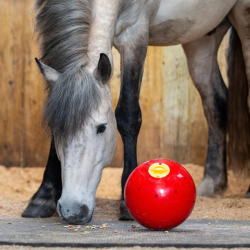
(205, 73)
(44, 201)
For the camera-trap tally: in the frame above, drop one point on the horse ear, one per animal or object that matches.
(104, 68)
(51, 75)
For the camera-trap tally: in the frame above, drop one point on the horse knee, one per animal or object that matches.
(128, 120)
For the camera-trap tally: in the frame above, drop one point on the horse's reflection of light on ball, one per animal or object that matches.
(160, 194)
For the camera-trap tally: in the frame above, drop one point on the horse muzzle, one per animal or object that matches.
(74, 213)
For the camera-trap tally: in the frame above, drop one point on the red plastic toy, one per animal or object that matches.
(160, 194)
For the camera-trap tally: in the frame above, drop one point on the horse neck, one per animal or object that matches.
(102, 31)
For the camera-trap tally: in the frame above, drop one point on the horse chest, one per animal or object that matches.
(181, 21)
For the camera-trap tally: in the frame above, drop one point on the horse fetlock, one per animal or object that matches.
(209, 187)
(43, 202)
(124, 213)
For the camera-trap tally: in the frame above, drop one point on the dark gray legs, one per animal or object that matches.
(205, 73)
(43, 203)
(128, 112)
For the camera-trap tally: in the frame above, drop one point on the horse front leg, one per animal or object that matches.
(128, 112)
(205, 73)
(43, 202)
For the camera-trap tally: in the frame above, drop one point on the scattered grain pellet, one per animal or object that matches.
(108, 226)
(59, 223)
(166, 231)
(97, 226)
(76, 230)
(79, 226)
(133, 226)
(39, 234)
(115, 231)
(43, 226)
(137, 226)
(9, 222)
(66, 226)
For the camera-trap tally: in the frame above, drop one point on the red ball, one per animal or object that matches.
(160, 194)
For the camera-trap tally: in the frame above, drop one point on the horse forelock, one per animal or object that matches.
(70, 103)
(62, 27)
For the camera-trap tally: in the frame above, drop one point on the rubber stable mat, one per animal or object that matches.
(192, 233)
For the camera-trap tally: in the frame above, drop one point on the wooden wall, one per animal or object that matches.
(173, 122)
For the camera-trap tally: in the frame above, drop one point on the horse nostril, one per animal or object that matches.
(83, 212)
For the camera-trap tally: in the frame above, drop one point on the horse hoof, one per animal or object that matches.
(247, 195)
(210, 187)
(124, 213)
(125, 216)
(39, 211)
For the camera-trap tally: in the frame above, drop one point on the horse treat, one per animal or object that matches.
(160, 194)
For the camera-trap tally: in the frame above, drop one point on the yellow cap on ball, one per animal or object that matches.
(159, 170)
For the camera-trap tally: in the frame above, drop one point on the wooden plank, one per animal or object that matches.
(176, 105)
(222, 58)
(115, 85)
(35, 141)
(11, 79)
(150, 139)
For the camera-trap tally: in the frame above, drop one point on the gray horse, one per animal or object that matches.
(76, 39)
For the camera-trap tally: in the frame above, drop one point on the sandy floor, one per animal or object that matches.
(18, 185)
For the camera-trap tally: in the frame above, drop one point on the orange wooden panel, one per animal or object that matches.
(11, 81)
(35, 142)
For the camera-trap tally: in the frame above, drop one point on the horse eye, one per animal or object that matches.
(101, 129)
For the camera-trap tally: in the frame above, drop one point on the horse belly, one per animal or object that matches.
(182, 21)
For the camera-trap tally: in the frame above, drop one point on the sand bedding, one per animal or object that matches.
(17, 185)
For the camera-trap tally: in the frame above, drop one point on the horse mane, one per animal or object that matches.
(63, 27)
(63, 31)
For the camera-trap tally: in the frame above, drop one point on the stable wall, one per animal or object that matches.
(173, 126)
